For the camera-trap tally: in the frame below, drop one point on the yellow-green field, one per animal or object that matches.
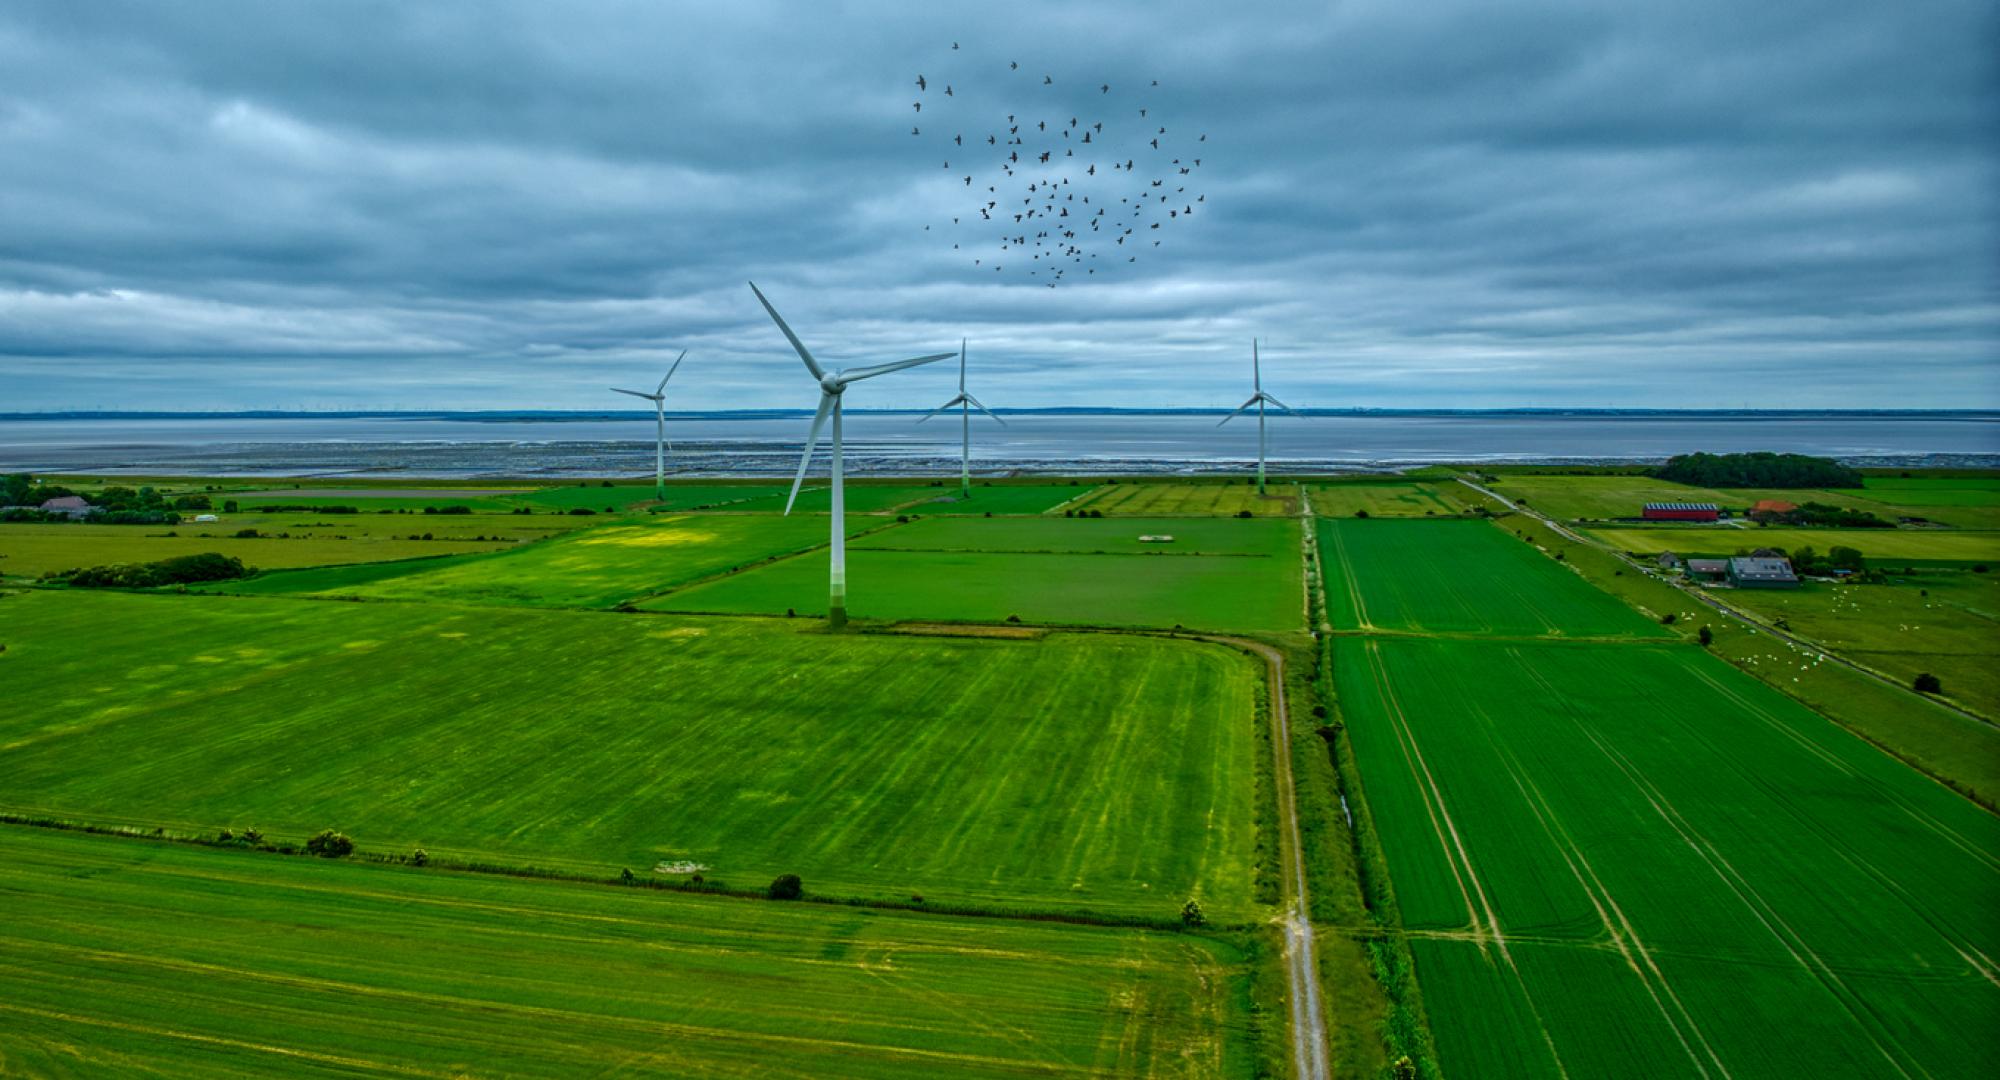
(1157, 499)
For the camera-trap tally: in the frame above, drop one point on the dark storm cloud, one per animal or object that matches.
(484, 205)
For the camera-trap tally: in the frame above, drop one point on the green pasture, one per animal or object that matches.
(1203, 536)
(1963, 503)
(122, 956)
(1945, 744)
(1384, 498)
(497, 503)
(1163, 591)
(597, 567)
(1465, 577)
(1631, 860)
(817, 498)
(1000, 499)
(1149, 499)
(1074, 772)
(1943, 622)
(1216, 575)
(1881, 546)
(30, 550)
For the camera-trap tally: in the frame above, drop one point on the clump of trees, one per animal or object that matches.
(180, 570)
(1826, 515)
(1759, 469)
(328, 844)
(1191, 914)
(1928, 683)
(1807, 561)
(786, 887)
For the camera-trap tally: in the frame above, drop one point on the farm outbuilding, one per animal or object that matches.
(72, 505)
(1681, 512)
(1752, 572)
(1707, 569)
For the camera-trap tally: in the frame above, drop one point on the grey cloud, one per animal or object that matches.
(255, 204)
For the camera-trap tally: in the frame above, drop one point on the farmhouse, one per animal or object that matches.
(1681, 512)
(73, 505)
(1707, 569)
(1668, 561)
(1753, 572)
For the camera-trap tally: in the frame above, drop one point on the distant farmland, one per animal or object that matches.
(1883, 547)
(1459, 577)
(1216, 575)
(1571, 826)
(1075, 772)
(145, 958)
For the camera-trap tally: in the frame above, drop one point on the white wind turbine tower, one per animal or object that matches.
(1258, 399)
(831, 385)
(659, 399)
(966, 403)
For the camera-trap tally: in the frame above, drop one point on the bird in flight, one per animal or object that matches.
(1013, 65)
(917, 105)
(1105, 89)
(1046, 81)
(921, 85)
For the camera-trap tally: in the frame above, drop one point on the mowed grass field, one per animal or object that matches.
(598, 567)
(1216, 575)
(1632, 860)
(1462, 577)
(1001, 499)
(1962, 503)
(130, 957)
(1384, 498)
(1074, 772)
(1147, 499)
(31, 550)
(1944, 622)
(1883, 547)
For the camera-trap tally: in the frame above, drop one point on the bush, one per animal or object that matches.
(1243, 513)
(1668, 619)
(1361, 513)
(229, 506)
(1191, 914)
(786, 887)
(583, 511)
(179, 570)
(1928, 683)
(1706, 636)
(328, 844)
(420, 857)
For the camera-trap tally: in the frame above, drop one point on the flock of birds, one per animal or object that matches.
(1059, 183)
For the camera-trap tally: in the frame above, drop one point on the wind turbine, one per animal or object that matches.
(831, 385)
(659, 399)
(1258, 399)
(966, 403)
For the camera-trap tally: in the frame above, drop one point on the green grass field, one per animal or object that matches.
(1963, 503)
(1884, 547)
(1001, 499)
(1079, 771)
(1384, 498)
(30, 550)
(1943, 622)
(135, 958)
(1217, 575)
(1465, 577)
(679, 496)
(816, 498)
(598, 567)
(1631, 860)
(1153, 499)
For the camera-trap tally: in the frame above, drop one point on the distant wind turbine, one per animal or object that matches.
(831, 385)
(966, 403)
(1258, 399)
(659, 399)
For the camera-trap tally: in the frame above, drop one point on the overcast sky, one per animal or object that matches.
(337, 205)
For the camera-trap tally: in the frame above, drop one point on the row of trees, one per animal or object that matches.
(1759, 469)
(180, 570)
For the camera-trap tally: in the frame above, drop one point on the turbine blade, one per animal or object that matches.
(1256, 368)
(812, 440)
(858, 374)
(1240, 410)
(989, 413)
(812, 365)
(961, 365)
(634, 393)
(670, 372)
(1279, 404)
(942, 408)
